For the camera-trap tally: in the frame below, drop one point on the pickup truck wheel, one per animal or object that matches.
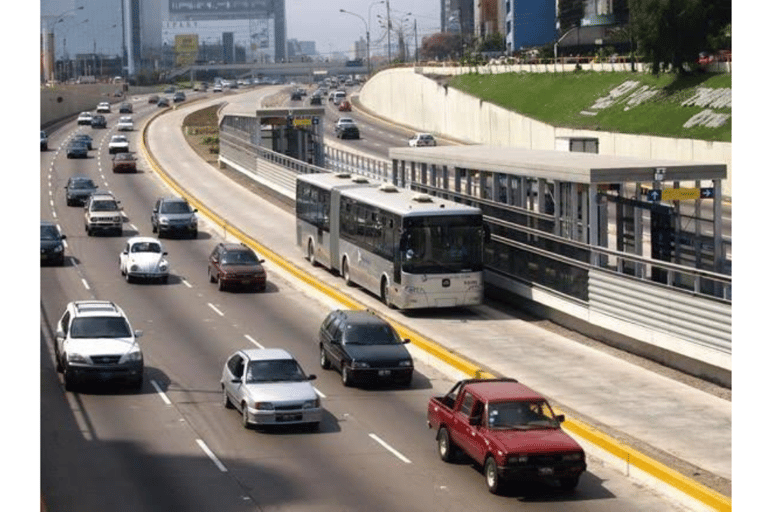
(491, 471)
(445, 446)
(346, 377)
(325, 364)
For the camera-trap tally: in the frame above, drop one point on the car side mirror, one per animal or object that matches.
(560, 418)
(261, 261)
(63, 237)
(165, 253)
(311, 376)
(59, 333)
(406, 341)
(138, 333)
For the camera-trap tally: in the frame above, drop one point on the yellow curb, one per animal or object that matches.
(673, 478)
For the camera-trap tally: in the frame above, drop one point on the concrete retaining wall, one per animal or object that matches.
(60, 102)
(405, 96)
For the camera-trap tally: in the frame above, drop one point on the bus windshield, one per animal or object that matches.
(442, 244)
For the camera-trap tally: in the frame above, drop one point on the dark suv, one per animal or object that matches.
(233, 264)
(364, 348)
(173, 215)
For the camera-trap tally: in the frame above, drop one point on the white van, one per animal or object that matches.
(338, 97)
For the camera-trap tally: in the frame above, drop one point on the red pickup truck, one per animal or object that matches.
(507, 428)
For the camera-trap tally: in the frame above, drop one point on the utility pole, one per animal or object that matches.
(389, 41)
(415, 43)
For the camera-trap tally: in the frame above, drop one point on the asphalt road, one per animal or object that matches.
(172, 446)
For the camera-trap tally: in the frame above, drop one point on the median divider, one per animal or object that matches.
(632, 458)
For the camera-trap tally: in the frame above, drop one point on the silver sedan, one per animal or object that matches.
(269, 387)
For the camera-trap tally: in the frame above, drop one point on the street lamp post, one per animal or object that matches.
(367, 37)
(49, 59)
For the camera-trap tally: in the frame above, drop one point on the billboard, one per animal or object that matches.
(219, 9)
(185, 47)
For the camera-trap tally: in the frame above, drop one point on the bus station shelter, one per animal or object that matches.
(651, 208)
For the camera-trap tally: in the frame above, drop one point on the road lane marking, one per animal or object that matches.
(249, 338)
(211, 455)
(217, 310)
(80, 417)
(160, 392)
(389, 448)
(85, 283)
(186, 283)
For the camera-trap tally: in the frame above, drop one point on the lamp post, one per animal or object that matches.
(48, 59)
(367, 37)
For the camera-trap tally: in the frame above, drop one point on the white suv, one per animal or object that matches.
(95, 341)
(103, 213)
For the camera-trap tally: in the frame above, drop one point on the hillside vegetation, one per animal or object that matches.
(613, 101)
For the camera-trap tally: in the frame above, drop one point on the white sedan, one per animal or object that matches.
(103, 108)
(144, 258)
(125, 124)
(422, 139)
(118, 144)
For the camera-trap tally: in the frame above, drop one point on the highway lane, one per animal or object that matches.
(142, 451)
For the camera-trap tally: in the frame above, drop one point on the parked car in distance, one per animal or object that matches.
(364, 348)
(98, 121)
(346, 128)
(51, 244)
(173, 216)
(94, 341)
(126, 108)
(163, 102)
(153, 98)
(118, 144)
(232, 264)
(125, 124)
(77, 149)
(103, 213)
(78, 189)
(124, 162)
(422, 139)
(345, 106)
(144, 257)
(84, 118)
(179, 96)
(43, 141)
(269, 387)
(509, 430)
(103, 107)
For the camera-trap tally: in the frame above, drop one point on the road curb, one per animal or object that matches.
(633, 458)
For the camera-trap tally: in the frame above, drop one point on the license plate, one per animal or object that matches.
(546, 471)
(385, 373)
(288, 417)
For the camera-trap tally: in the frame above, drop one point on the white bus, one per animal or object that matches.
(412, 250)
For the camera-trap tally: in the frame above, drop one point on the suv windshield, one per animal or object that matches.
(521, 415)
(106, 205)
(239, 258)
(82, 184)
(175, 207)
(274, 371)
(100, 327)
(370, 334)
(49, 233)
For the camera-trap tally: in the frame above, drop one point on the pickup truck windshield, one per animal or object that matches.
(521, 415)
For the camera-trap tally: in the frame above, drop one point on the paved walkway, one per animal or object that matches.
(643, 408)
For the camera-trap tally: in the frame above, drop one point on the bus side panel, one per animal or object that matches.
(334, 255)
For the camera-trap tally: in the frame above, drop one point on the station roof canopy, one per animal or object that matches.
(587, 168)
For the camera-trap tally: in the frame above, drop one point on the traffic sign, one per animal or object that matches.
(654, 194)
(707, 193)
(676, 194)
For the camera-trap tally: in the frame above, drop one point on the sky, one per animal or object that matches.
(307, 20)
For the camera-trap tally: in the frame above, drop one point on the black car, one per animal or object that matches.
(233, 264)
(98, 121)
(316, 99)
(179, 96)
(51, 244)
(126, 108)
(347, 131)
(296, 96)
(78, 190)
(77, 149)
(163, 102)
(364, 348)
(85, 139)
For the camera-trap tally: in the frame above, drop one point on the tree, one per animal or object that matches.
(673, 32)
(441, 46)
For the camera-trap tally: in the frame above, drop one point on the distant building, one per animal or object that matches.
(529, 23)
(300, 49)
(257, 28)
(457, 16)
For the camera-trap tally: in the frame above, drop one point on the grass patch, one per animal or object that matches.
(559, 98)
(201, 130)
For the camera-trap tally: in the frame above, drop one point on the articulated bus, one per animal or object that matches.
(412, 250)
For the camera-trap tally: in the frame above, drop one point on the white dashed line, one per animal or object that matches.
(186, 283)
(249, 338)
(211, 455)
(85, 284)
(217, 310)
(161, 393)
(389, 448)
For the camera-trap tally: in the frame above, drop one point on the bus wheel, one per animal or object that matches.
(345, 272)
(385, 295)
(311, 254)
